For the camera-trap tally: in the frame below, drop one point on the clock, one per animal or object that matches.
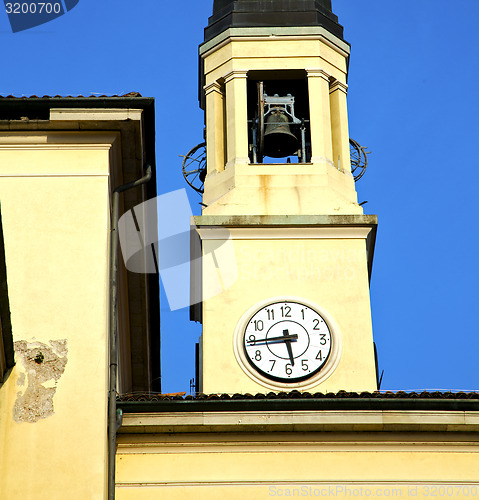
(287, 342)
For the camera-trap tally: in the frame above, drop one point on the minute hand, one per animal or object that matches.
(293, 336)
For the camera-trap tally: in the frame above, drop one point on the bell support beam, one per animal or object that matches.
(339, 126)
(215, 130)
(320, 113)
(236, 118)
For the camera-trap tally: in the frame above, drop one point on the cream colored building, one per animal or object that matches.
(288, 402)
(60, 160)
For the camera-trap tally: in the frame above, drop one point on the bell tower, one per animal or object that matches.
(294, 310)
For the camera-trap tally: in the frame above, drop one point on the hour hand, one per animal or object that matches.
(288, 345)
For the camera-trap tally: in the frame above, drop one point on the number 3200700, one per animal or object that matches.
(33, 8)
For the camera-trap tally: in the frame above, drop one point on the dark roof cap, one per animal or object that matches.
(271, 13)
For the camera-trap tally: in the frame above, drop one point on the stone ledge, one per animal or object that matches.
(285, 220)
(300, 421)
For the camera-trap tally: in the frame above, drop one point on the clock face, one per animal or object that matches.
(287, 341)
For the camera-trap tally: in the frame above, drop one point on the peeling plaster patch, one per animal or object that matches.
(44, 366)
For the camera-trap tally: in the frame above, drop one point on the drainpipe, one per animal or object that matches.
(114, 418)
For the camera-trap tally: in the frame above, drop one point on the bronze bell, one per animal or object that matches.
(279, 141)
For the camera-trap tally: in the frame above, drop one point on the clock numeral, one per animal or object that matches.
(270, 313)
(288, 369)
(320, 355)
(302, 312)
(272, 366)
(257, 355)
(304, 365)
(285, 311)
(316, 323)
(258, 325)
(323, 338)
(251, 338)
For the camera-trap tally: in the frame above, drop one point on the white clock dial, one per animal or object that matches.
(287, 341)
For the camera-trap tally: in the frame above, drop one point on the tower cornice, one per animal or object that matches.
(289, 32)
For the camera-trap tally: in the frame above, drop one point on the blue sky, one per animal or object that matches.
(412, 101)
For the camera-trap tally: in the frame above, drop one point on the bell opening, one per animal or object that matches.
(278, 117)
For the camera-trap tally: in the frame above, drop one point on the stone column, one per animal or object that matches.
(236, 118)
(215, 129)
(320, 116)
(339, 126)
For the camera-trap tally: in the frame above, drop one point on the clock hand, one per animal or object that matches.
(288, 345)
(294, 336)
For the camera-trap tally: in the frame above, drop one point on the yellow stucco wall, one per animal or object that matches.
(302, 464)
(54, 195)
(273, 52)
(280, 190)
(328, 270)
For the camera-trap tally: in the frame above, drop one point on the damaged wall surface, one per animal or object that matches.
(44, 365)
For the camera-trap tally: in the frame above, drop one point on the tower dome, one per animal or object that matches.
(263, 13)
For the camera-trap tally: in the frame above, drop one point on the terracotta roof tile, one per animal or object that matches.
(129, 94)
(300, 395)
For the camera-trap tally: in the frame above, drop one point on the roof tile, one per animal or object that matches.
(103, 96)
(301, 395)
